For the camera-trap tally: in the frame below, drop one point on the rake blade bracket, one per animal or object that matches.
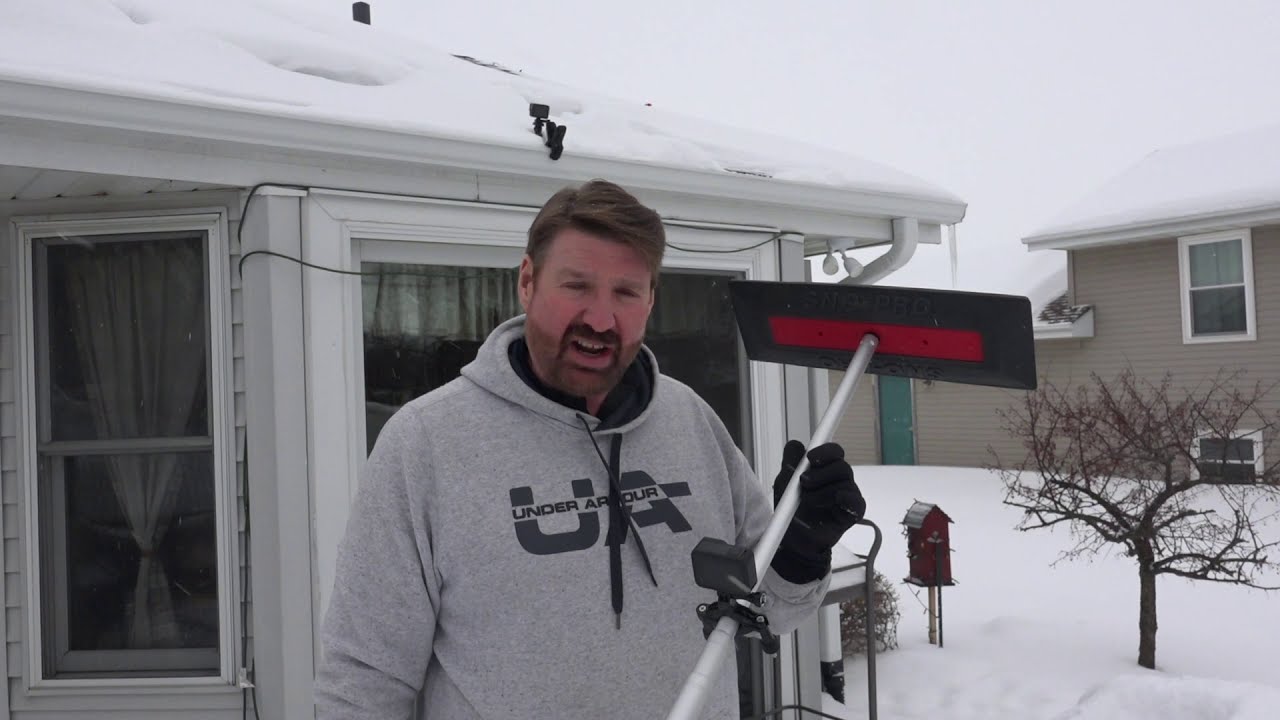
(936, 335)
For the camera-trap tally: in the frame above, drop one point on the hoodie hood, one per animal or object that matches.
(497, 370)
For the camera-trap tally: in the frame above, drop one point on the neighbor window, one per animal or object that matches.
(1229, 459)
(1216, 272)
(126, 474)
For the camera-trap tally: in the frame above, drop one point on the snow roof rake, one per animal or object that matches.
(939, 335)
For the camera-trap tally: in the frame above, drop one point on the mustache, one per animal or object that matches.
(582, 332)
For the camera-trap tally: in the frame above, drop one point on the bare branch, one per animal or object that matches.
(1116, 461)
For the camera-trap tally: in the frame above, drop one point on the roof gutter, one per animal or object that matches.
(906, 237)
(193, 123)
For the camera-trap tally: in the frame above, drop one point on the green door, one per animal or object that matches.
(897, 436)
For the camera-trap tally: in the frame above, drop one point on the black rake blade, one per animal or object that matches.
(940, 335)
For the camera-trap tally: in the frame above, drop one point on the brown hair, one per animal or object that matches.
(601, 208)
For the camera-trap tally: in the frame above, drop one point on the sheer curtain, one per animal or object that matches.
(139, 323)
(422, 323)
(432, 301)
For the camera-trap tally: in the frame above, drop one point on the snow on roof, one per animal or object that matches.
(1061, 311)
(919, 511)
(1232, 173)
(280, 61)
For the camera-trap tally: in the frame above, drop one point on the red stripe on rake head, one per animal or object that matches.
(903, 340)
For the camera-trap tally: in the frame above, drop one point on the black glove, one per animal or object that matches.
(830, 504)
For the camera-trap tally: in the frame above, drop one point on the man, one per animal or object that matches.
(520, 544)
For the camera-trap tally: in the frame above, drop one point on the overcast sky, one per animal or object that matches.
(1019, 107)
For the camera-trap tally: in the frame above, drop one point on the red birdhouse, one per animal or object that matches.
(928, 545)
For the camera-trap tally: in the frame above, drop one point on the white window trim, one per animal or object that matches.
(213, 222)
(346, 229)
(1245, 236)
(1259, 462)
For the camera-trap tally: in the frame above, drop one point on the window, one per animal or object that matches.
(1216, 273)
(129, 559)
(1229, 460)
(422, 323)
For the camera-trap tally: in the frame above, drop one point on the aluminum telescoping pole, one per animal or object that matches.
(693, 696)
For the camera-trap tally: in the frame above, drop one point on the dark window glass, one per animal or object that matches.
(135, 303)
(128, 536)
(1218, 310)
(693, 334)
(422, 323)
(125, 590)
(1218, 450)
(1216, 263)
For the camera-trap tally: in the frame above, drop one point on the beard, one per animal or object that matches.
(552, 358)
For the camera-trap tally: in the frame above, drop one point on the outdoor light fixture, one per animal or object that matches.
(832, 262)
(852, 266)
(830, 265)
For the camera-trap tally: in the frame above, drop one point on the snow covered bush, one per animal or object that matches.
(853, 618)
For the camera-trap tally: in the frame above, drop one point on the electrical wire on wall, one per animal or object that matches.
(246, 663)
(253, 193)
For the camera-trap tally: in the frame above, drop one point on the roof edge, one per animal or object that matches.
(1155, 230)
(137, 111)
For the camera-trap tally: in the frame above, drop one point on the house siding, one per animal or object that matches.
(859, 428)
(10, 495)
(1135, 293)
(212, 703)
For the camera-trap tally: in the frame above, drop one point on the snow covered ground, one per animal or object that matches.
(1024, 640)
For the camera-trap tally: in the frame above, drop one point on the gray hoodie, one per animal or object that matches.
(476, 564)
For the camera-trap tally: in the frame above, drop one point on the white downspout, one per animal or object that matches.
(906, 235)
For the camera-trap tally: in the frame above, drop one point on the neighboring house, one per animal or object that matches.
(184, 409)
(1172, 266)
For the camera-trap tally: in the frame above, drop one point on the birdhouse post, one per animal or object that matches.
(927, 529)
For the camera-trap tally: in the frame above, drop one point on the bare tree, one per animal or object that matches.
(1169, 474)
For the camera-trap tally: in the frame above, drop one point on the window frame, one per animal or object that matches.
(212, 224)
(1245, 236)
(1259, 462)
(347, 229)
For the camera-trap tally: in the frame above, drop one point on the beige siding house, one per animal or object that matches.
(1172, 266)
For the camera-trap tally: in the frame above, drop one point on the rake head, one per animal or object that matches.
(939, 335)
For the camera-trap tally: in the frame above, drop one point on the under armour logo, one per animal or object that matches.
(636, 486)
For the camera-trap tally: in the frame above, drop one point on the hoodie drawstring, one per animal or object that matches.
(617, 533)
(619, 520)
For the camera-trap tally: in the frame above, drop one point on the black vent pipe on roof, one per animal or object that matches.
(360, 12)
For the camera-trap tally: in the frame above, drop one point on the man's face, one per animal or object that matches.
(586, 309)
